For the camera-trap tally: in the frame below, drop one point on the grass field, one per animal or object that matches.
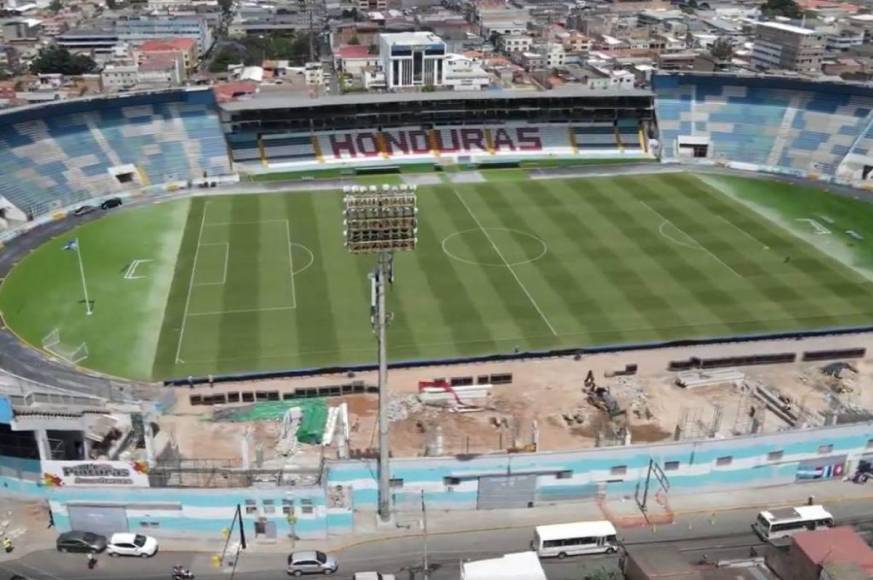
(263, 282)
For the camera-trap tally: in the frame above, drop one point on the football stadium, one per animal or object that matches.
(602, 281)
(521, 246)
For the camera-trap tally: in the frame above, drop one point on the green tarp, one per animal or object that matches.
(311, 426)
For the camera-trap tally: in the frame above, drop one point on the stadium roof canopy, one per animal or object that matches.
(274, 101)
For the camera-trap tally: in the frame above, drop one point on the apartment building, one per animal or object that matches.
(787, 47)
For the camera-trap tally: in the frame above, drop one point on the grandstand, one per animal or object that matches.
(57, 155)
(269, 133)
(773, 124)
(60, 154)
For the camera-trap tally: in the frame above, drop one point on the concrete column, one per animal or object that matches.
(149, 441)
(42, 444)
(87, 444)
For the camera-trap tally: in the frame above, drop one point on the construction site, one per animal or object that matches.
(547, 404)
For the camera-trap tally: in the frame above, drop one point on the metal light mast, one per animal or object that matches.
(381, 222)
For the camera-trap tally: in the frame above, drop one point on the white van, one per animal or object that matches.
(781, 523)
(564, 540)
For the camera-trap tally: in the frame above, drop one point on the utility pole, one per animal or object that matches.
(426, 563)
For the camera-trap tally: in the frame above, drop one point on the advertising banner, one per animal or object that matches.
(95, 473)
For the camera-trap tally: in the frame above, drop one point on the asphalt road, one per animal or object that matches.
(726, 536)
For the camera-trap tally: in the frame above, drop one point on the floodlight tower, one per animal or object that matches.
(381, 222)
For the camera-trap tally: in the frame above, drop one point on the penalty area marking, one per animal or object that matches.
(226, 260)
(130, 274)
(191, 284)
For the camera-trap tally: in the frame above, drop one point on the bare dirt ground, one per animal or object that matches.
(546, 405)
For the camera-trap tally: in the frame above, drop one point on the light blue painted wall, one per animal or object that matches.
(588, 469)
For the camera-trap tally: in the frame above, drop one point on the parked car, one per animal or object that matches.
(132, 545)
(84, 542)
(373, 576)
(311, 562)
(84, 209)
(110, 203)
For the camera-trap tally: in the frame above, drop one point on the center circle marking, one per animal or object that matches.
(544, 248)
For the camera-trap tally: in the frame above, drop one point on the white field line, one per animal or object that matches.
(249, 223)
(689, 236)
(190, 288)
(226, 259)
(742, 231)
(242, 310)
(515, 339)
(505, 262)
(136, 264)
(291, 262)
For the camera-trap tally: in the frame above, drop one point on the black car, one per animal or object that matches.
(84, 209)
(110, 203)
(81, 542)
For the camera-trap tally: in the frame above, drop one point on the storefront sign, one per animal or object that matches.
(95, 473)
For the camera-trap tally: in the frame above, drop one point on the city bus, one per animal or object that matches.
(562, 540)
(785, 522)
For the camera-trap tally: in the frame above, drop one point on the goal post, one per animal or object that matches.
(72, 354)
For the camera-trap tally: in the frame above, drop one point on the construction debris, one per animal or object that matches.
(403, 407)
(442, 393)
(694, 379)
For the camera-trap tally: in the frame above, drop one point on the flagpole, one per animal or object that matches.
(88, 310)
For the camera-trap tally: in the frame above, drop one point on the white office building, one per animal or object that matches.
(412, 59)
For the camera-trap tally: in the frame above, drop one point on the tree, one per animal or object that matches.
(224, 57)
(721, 49)
(226, 6)
(56, 6)
(787, 8)
(57, 59)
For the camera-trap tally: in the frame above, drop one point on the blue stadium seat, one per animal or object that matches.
(60, 154)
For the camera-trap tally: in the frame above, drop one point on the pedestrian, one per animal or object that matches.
(7, 544)
(51, 518)
(92, 560)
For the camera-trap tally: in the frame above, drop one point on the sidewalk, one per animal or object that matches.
(623, 511)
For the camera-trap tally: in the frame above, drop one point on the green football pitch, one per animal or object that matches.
(224, 284)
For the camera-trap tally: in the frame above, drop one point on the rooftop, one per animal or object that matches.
(412, 38)
(787, 28)
(167, 44)
(353, 51)
(291, 102)
(841, 544)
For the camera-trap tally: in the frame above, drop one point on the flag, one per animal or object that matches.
(72, 245)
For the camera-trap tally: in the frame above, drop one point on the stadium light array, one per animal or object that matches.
(380, 221)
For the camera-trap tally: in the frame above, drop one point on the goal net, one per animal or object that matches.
(73, 354)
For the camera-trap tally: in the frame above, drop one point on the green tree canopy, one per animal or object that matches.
(787, 8)
(722, 49)
(57, 59)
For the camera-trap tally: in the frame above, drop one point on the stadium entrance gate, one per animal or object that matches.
(100, 519)
(506, 491)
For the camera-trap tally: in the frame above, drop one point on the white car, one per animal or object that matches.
(132, 545)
